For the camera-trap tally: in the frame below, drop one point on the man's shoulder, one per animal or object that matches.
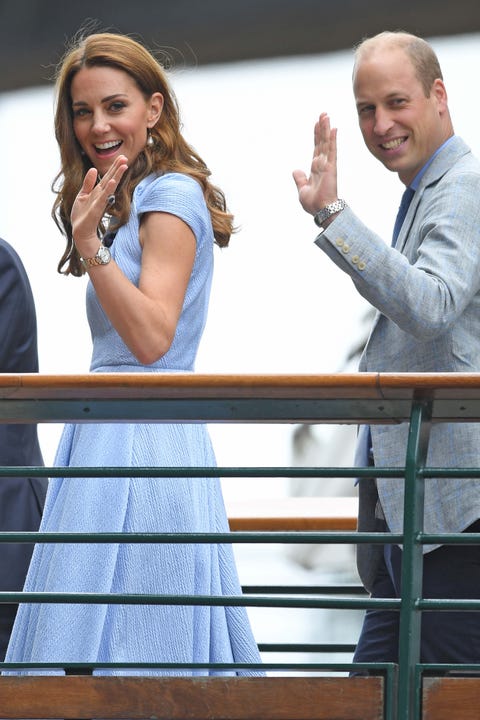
(454, 159)
(457, 154)
(10, 259)
(462, 162)
(7, 252)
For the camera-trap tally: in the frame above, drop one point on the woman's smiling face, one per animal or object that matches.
(111, 116)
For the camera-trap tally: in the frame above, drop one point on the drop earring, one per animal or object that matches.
(150, 140)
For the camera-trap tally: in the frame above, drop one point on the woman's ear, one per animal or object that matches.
(156, 107)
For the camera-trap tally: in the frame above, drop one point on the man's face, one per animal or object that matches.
(400, 126)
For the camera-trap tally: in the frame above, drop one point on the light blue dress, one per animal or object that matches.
(143, 633)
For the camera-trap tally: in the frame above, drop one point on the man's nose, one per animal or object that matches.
(383, 121)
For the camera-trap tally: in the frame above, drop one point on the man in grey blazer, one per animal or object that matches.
(21, 499)
(426, 290)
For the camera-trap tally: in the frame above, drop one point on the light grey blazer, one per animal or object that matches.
(427, 293)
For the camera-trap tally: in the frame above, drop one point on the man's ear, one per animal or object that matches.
(440, 92)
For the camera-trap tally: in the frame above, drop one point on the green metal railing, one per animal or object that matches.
(419, 400)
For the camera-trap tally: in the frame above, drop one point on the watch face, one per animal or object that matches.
(103, 254)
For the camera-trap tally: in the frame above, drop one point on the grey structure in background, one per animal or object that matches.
(33, 32)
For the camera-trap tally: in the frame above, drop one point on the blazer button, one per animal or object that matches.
(346, 248)
(361, 266)
(355, 259)
(339, 242)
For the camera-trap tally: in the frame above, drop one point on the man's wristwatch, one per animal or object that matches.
(329, 210)
(102, 257)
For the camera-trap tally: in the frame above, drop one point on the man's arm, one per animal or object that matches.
(18, 329)
(425, 288)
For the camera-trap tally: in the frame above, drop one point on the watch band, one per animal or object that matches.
(329, 210)
(102, 257)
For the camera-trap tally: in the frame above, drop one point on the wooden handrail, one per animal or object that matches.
(342, 397)
(379, 386)
(293, 513)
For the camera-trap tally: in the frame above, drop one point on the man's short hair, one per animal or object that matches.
(424, 60)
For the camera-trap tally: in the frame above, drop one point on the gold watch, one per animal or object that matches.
(102, 257)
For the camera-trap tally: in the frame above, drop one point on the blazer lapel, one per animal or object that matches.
(438, 167)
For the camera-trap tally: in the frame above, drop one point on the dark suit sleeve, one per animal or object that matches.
(18, 326)
(21, 499)
(18, 351)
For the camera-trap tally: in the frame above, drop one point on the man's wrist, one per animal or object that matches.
(325, 215)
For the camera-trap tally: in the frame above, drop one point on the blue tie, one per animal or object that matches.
(402, 211)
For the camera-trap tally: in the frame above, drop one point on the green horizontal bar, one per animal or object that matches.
(453, 473)
(233, 472)
(207, 600)
(449, 666)
(458, 604)
(307, 647)
(237, 536)
(305, 589)
(377, 668)
(449, 538)
(198, 472)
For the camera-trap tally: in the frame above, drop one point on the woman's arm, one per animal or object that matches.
(146, 316)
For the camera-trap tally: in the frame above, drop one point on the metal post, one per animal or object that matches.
(410, 619)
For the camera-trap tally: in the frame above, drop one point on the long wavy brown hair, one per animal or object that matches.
(169, 151)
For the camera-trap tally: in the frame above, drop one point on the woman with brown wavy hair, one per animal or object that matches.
(140, 216)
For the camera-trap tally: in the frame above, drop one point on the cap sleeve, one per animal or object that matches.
(178, 195)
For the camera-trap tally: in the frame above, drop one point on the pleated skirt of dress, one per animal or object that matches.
(134, 633)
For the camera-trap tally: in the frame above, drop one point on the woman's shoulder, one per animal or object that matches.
(167, 185)
(177, 194)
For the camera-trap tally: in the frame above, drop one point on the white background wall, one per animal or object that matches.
(278, 305)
